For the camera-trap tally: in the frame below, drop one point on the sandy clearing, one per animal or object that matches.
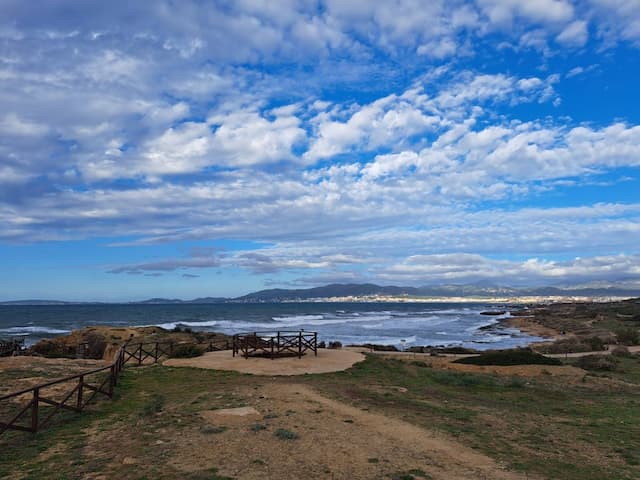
(327, 361)
(336, 441)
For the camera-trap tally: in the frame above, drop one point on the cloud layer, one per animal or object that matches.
(356, 140)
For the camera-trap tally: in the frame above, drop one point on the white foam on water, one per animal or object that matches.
(27, 330)
(297, 318)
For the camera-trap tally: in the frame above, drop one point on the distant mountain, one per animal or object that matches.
(370, 290)
(39, 302)
(333, 290)
(167, 301)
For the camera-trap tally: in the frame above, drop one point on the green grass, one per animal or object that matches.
(541, 426)
(547, 426)
(147, 399)
(509, 357)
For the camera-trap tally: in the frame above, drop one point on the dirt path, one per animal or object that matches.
(336, 441)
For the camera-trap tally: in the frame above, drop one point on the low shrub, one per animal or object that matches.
(510, 357)
(154, 405)
(596, 343)
(186, 351)
(335, 345)
(597, 362)
(53, 349)
(570, 345)
(621, 351)
(95, 343)
(283, 434)
(628, 336)
(210, 429)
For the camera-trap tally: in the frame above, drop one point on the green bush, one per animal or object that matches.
(597, 362)
(283, 434)
(154, 405)
(95, 344)
(628, 336)
(510, 357)
(186, 351)
(621, 351)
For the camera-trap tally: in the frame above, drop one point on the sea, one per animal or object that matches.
(399, 324)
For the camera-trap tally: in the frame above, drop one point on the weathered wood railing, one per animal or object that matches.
(30, 417)
(11, 347)
(275, 344)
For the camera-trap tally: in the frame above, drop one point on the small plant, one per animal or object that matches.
(257, 427)
(154, 405)
(412, 474)
(186, 351)
(621, 351)
(421, 364)
(628, 336)
(598, 362)
(335, 345)
(210, 429)
(510, 357)
(283, 434)
(95, 345)
(516, 382)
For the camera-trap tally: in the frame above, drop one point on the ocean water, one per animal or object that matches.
(398, 324)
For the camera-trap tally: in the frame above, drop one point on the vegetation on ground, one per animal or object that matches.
(187, 351)
(522, 356)
(550, 426)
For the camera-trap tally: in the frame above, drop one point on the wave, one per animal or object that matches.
(172, 325)
(297, 318)
(28, 330)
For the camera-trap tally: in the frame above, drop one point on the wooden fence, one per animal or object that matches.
(275, 344)
(11, 347)
(81, 389)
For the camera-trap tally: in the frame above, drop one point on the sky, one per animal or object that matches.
(213, 148)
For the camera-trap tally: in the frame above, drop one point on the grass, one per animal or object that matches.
(542, 426)
(147, 400)
(546, 426)
(510, 357)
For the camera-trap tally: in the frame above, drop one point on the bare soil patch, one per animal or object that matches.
(327, 361)
(332, 440)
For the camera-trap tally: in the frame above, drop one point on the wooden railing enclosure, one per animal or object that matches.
(81, 389)
(275, 344)
(11, 347)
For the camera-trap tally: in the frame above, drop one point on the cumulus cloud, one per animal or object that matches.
(197, 260)
(168, 125)
(467, 268)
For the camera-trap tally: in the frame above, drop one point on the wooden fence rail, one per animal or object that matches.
(275, 344)
(11, 347)
(85, 386)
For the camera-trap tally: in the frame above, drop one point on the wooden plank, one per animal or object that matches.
(5, 426)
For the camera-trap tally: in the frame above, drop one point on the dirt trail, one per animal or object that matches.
(336, 441)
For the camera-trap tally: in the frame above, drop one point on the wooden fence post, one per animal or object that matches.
(300, 344)
(112, 379)
(80, 388)
(34, 409)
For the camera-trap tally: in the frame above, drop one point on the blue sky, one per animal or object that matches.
(212, 148)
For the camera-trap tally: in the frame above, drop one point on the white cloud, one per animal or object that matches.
(466, 268)
(575, 34)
